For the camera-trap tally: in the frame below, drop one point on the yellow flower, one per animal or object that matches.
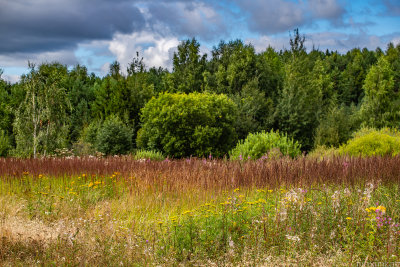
(237, 189)
(349, 218)
(381, 208)
(186, 212)
(270, 191)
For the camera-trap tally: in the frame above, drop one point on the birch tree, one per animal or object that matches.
(41, 121)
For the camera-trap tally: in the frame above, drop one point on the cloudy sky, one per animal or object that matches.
(96, 32)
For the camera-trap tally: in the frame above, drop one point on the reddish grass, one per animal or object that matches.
(217, 174)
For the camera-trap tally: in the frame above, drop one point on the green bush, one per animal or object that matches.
(89, 134)
(323, 152)
(371, 142)
(114, 137)
(183, 125)
(257, 145)
(148, 154)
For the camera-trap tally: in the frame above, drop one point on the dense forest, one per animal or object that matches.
(318, 98)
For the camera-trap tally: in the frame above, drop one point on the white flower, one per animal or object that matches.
(294, 238)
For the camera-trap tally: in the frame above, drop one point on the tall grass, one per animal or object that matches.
(120, 211)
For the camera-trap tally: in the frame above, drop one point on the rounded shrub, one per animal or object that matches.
(183, 125)
(372, 142)
(114, 137)
(265, 143)
(148, 154)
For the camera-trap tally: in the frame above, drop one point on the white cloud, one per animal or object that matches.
(396, 40)
(156, 50)
(262, 43)
(66, 57)
(10, 78)
(334, 41)
(190, 18)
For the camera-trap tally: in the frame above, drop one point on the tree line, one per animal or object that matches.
(318, 98)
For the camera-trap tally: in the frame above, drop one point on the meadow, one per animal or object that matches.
(117, 211)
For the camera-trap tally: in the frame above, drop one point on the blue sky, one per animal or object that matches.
(97, 32)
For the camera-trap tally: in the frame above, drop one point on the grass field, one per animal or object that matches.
(123, 212)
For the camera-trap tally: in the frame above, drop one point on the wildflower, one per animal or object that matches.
(293, 238)
(381, 209)
(237, 189)
(186, 212)
(349, 218)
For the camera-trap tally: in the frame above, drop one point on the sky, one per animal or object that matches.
(95, 33)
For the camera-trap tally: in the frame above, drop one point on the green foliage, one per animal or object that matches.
(300, 103)
(114, 137)
(183, 125)
(259, 144)
(234, 65)
(381, 104)
(353, 75)
(41, 122)
(336, 126)
(148, 154)
(255, 110)
(188, 68)
(371, 142)
(89, 133)
(4, 144)
(79, 86)
(6, 114)
(323, 152)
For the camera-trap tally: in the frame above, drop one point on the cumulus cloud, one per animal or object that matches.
(66, 57)
(327, 9)
(263, 42)
(392, 6)
(274, 16)
(156, 49)
(11, 78)
(334, 41)
(50, 25)
(188, 18)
